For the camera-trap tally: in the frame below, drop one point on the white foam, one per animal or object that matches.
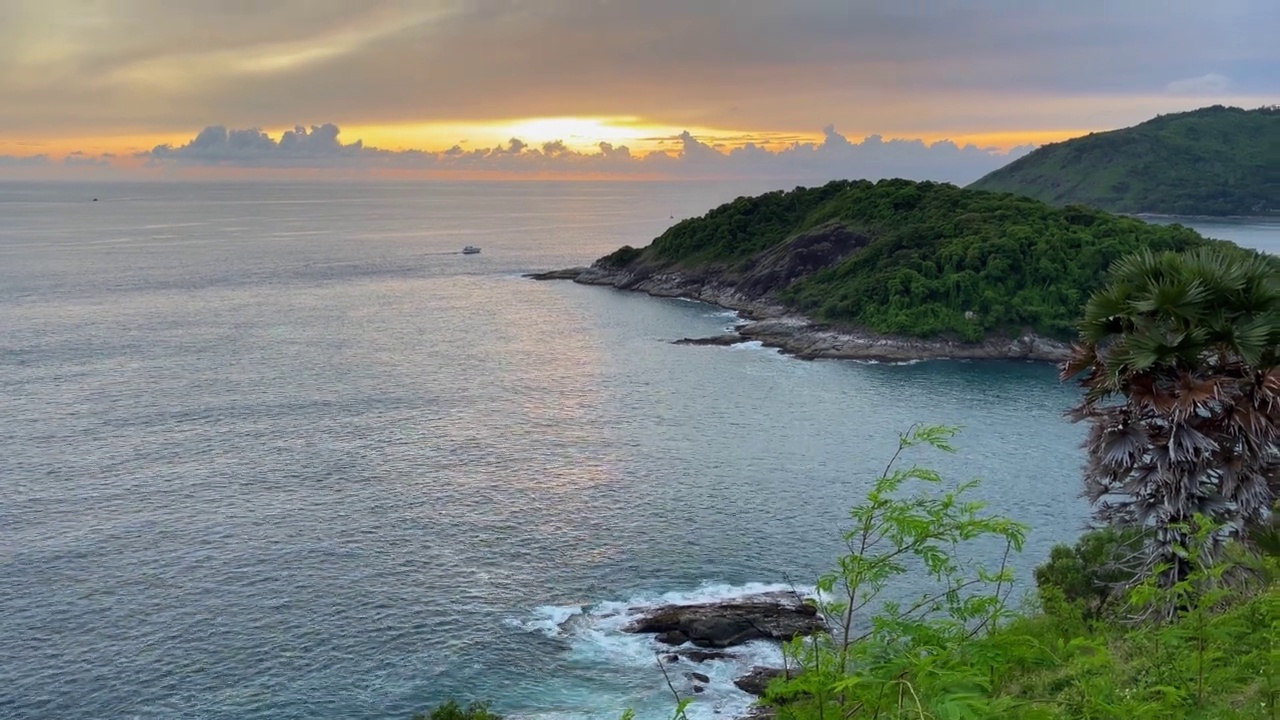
(748, 345)
(893, 363)
(593, 634)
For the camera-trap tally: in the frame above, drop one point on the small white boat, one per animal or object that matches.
(470, 250)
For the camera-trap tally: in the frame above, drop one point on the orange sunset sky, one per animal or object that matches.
(111, 87)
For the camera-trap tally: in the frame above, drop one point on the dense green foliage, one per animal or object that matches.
(620, 257)
(944, 261)
(1213, 161)
(1088, 574)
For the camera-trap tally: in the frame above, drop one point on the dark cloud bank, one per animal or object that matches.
(922, 67)
(320, 147)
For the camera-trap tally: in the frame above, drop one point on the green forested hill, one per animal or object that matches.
(1213, 161)
(930, 259)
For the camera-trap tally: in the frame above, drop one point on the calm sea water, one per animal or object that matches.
(280, 452)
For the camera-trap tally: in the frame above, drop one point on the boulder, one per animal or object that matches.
(702, 655)
(672, 637)
(699, 677)
(768, 616)
(757, 681)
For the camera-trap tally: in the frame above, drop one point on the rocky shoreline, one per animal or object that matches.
(701, 632)
(775, 326)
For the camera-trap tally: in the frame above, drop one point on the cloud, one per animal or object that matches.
(1203, 85)
(78, 159)
(926, 67)
(300, 147)
(835, 157)
(23, 161)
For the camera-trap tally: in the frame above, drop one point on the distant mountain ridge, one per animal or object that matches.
(1213, 161)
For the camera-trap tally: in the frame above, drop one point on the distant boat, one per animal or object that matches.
(470, 250)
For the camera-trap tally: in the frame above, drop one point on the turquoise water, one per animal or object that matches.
(281, 452)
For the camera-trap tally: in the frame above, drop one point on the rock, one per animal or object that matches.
(721, 631)
(704, 655)
(718, 340)
(698, 689)
(699, 677)
(757, 681)
(799, 336)
(769, 616)
(671, 658)
(777, 268)
(672, 637)
(565, 274)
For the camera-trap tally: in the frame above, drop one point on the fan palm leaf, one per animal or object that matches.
(1178, 362)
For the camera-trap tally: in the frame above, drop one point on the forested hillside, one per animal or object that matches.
(939, 260)
(1213, 161)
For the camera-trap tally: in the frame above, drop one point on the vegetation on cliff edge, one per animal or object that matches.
(1213, 161)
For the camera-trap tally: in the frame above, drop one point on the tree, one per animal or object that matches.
(1179, 363)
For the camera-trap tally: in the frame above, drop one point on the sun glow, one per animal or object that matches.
(584, 134)
(581, 134)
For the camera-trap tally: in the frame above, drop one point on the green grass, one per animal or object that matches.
(1068, 667)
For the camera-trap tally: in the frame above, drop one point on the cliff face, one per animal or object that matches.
(754, 282)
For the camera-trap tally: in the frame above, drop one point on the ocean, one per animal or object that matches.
(281, 451)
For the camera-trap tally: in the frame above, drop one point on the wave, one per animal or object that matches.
(593, 636)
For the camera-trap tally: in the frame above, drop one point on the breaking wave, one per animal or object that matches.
(593, 638)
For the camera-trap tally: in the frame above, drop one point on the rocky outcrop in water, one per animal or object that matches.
(714, 340)
(799, 336)
(701, 631)
(565, 274)
(770, 616)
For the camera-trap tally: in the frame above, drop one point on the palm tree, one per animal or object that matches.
(1179, 361)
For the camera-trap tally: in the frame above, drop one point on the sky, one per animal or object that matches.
(788, 89)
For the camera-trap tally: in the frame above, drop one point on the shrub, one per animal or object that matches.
(1090, 573)
(620, 258)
